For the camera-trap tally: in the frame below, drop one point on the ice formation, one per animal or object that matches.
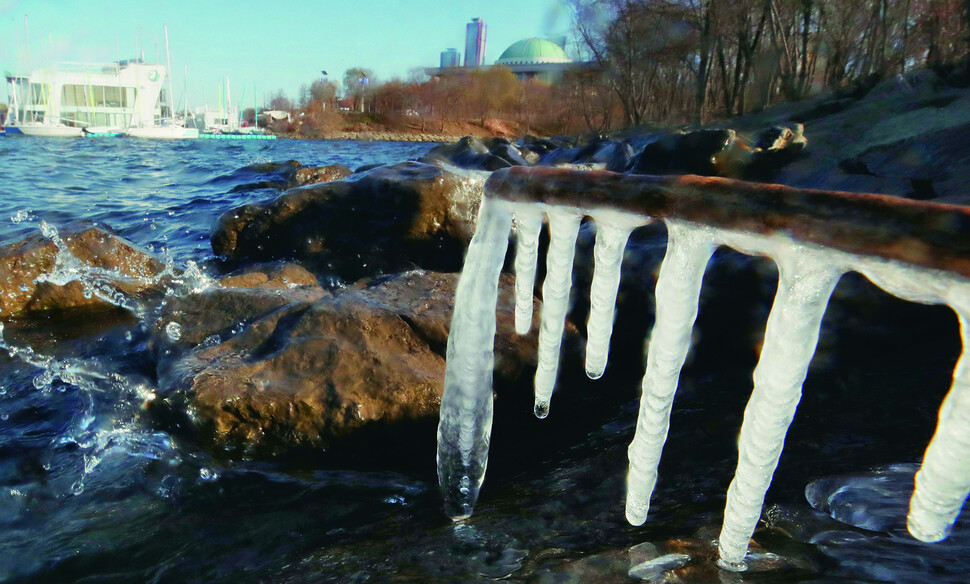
(808, 273)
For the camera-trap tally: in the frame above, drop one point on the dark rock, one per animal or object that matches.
(614, 155)
(775, 147)
(261, 175)
(469, 152)
(538, 145)
(308, 372)
(560, 156)
(130, 270)
(367, 167)
(702, 152)
(510, 154)
(381, 221)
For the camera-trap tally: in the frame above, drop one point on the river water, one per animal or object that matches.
(92, 491)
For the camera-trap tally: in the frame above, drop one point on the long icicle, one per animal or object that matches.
(465, 424)
(689, 248)
(806, 278)
(943, 481)
(528, 222)
(607, 258)
(563, 230)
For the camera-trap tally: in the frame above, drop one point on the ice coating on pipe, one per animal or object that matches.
(943, 481)
(465, 424)
(563, 230)
(806, 279)
(528, 223)
(920, 265)
(689, 248)
(611, 238)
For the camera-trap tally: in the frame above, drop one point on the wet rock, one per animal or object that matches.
(469, 152)
(384, 220)
(530, 156)
(308, 372)
(775, 148)
(559, 156)
(307, 176)
(276, 275)
(367, 167)
(111, 262)
(614, 155)
(510, 154)
(538, 145)
(702, 152)
(261, 175)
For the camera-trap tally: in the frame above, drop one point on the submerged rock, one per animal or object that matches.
(92, 253)
(384, 220)
(303, 369)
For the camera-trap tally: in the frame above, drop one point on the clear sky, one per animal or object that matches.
(278, 44)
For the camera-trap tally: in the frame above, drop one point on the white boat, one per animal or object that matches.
(50, 131)
(163, 132)
(164, 128)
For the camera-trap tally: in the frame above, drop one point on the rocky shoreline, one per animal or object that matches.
(421, 215)
(323, 325)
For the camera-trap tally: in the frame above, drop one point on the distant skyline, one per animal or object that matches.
(279, 45)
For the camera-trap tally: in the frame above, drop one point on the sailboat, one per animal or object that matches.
(165, 129)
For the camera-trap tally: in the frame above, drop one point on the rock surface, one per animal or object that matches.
(304, 369)
(107, 258)
(308, 176)
(385, 220)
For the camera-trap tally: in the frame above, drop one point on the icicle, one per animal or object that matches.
(563, 230)
(805, 282)
(528, 221)
(689, 248)
(943, 481)
(607, 257)
(465, 424)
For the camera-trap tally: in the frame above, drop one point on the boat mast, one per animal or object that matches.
(171, 95)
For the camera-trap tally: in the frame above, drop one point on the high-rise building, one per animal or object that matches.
(450, 58)
(475, 43)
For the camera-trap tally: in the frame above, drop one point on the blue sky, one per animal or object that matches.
(279, 44)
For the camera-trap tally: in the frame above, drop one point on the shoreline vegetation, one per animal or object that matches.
(646, 66)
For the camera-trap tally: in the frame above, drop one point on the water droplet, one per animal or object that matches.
(24, 288)
(173, 330)
(20, 216)
(4, 416)
(541, 409)
(208, 474)
(395, 500)
(78, 487)
(128, 336)
(87, 293)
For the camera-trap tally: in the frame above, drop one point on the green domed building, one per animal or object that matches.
(535, 58)
(532, 58)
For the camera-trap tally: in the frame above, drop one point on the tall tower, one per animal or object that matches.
(475, 43)
(450, 58)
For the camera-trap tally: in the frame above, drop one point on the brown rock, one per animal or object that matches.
(128, 268)
(281, 275)
(307, 176)
(307, 373)
(384, 220)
